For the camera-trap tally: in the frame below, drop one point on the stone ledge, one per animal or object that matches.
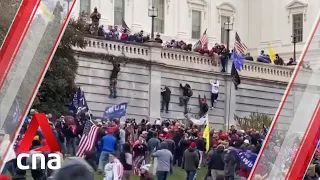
(104, 57)
(150, 54)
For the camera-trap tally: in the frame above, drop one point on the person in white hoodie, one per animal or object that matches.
(214, 91)
(10, 158)
(114, 169)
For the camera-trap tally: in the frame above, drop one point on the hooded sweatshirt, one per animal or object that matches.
(190, 161)
(217, 159)
(186, 90)
(164, 157)
(74, 168)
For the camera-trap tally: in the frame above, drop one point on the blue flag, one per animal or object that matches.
(248, 158)
(115, 111)
(75, 101)
(237, 60)
(79, 103)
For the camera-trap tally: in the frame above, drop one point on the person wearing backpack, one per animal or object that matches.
(184, 99)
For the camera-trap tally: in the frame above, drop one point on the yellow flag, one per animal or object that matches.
(271, 54)
(206, 135)
(238, 51)
(46, 12)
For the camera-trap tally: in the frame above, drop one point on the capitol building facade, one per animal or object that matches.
(260, 23)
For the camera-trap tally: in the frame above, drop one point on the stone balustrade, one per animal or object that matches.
(154, 53)
(266, 71)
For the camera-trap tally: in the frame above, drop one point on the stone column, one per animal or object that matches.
(106, 10)
(230, 102)
(154, 94)
(183, 18)
(140, 18)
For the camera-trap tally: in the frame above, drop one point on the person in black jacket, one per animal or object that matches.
(201, 146)
(224, 59)
(216, 162)
(165, 93)
(184, 99)
(90, 157)
(178, 135)
(126, 161)
(203, 106)
(113, 79)
(183, 145)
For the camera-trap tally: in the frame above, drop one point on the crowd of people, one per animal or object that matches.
(145, 149)
(123, 33)
(265, 58)
(151, 150)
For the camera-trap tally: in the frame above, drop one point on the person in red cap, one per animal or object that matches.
(190, 161)
(162, 137)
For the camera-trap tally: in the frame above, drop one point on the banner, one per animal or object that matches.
(79, 103)
(248, 158)
(200, 121)
(115, 111)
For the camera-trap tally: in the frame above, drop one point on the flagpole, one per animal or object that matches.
(128, 105)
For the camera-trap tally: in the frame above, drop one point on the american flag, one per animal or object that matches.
(204, 39)
(123, 27)
(197, 45)
(239, 45)
(88, 138)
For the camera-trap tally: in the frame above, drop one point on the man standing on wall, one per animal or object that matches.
(224, 59)
(95, 18)
(113, 79)
(165, 93)
(184, 99)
